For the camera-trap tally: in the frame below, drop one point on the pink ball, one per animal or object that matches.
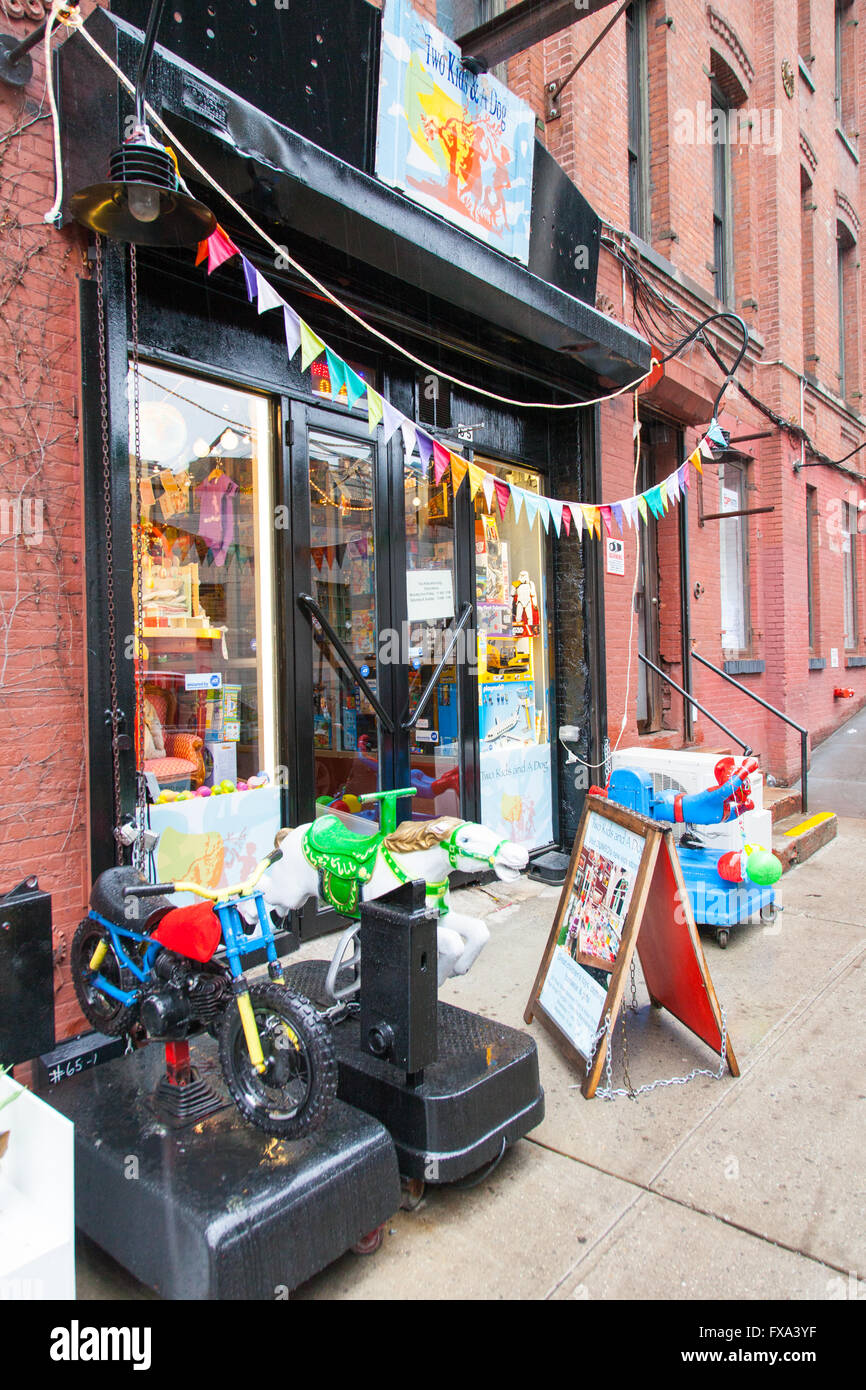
(202, 791)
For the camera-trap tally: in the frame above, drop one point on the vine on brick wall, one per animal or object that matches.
(42, 749)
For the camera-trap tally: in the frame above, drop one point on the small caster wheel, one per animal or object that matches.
(769, 913)
(723, 936)
(413, 1193)
(369, 1244)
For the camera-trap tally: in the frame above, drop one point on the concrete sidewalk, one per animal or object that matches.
(750, 1188)
(837, 774)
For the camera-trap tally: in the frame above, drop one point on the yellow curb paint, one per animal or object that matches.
(810, 824)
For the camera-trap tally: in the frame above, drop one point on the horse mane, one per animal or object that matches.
(420, 834)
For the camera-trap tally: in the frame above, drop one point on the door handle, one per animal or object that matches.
(465, 615)
(312, 609)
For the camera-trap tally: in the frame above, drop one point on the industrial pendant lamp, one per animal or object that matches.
(142, 201)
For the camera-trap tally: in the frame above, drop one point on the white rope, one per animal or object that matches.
(75, 22)
(639, 538)
(53, 213)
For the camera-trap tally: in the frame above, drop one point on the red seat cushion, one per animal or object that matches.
(190, 931)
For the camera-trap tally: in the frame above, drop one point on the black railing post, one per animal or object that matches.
(804, 733)
(692, 701)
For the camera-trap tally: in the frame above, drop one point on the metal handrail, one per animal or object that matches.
(308, 603)
(804, 733)
(465, 615)
(692, 701)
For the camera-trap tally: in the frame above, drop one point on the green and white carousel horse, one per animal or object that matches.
(328, 860)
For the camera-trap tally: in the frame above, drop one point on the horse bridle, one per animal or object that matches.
(454, 851)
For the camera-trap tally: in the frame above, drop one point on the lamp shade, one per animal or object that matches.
(141, 201)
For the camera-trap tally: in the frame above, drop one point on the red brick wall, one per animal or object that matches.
(43, 674)
(752, 42)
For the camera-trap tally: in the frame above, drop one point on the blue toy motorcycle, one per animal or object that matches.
(160, 969)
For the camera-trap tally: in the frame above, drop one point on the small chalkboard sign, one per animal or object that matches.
(624, 890)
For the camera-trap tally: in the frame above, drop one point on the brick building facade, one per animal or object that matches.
(758, 97)
(777, 243)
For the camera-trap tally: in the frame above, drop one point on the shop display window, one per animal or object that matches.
(204, 537)
(514, 665)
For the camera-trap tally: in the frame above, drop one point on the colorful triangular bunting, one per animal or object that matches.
(311, 346)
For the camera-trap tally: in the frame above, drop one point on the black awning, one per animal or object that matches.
(321, 196)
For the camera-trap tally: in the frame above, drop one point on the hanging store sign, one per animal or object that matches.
(459, 143)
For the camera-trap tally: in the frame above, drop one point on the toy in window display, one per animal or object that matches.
(328, 860)
(524, 611)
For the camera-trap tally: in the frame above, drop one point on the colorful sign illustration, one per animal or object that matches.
(459, 143)
(601, 894)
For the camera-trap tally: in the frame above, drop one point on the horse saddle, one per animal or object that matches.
(343, 859)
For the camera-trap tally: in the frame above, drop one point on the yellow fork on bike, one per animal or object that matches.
(251, 1032)
(98, 956)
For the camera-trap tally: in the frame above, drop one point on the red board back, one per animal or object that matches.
(671, 956)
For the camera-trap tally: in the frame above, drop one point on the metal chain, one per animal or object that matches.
(109, 548)
(609, 1092)
(138, 850)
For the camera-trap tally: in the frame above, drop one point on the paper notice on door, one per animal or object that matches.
(429, 595)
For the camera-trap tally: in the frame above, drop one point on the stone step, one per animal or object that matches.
(796, 838)
(782, 802)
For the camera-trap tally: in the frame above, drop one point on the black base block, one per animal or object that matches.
(218, 1210)
(481, 1092)
(551, 867)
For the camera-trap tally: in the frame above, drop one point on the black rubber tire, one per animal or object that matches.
(105, 1014)
(269, 1106)
(722, 937)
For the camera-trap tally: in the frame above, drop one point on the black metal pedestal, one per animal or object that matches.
(217, 1209)
(481, 1093)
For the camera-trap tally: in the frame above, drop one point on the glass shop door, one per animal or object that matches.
(378, 660)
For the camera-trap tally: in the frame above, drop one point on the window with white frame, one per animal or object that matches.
(733, 548)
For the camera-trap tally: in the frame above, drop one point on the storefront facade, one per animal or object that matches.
(313, 607)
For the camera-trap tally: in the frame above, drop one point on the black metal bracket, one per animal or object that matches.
(465, 615)
(555, 89)
(308, 604)
(16, 68)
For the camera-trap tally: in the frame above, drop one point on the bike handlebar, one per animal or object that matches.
(236, 890)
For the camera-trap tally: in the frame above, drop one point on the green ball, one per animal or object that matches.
(763, 868)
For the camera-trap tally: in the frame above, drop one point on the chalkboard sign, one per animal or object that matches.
(624, 890)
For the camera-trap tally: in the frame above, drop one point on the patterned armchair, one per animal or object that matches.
(173, 755)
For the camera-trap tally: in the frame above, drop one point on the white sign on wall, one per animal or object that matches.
(615, 548)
